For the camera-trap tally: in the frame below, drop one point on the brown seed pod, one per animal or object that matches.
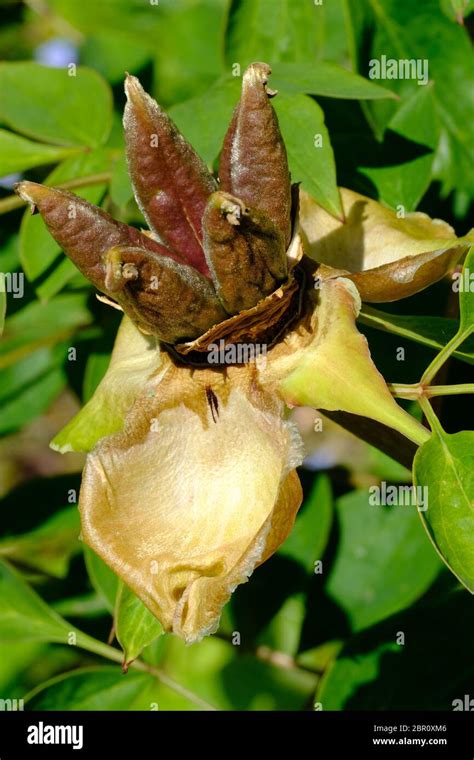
(245, 252)
(171, 183)
(253, 163)
(164, 298)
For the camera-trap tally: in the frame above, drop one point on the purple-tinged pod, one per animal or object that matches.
(84, 231)
(171, 183)
(245, 252)
(253, 163)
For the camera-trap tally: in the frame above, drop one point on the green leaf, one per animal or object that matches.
(112, 53)
(30, 385)
(195, 30)
(327, 79)
(99, 688)
(308, 539)
(428, 331)
(103, 579)
(3, 307)
(120, 186)
(48, 548)
(96, 368)
(383, 561)
(466, 295)
(421, 32)
(40, 255)
(204, 119)
(18, 154)
(401, 170)
(262, 30)
(392, 665)
(51, 105)
(444, 465)
(135, 626)
(42, 324)
(310, 153)
(24, 616)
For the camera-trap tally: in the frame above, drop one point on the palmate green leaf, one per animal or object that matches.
(309, 149)
(48, 104)
(103, 579)
(40, 255)
(18, 153)
(308, 539)
(428, 331)
(444, 465)
(375, 672)
(135, 626)
(326, 79)
(98, 688)
(49, 547)
(383, 562)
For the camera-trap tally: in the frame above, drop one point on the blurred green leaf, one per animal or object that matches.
(457, 10)
(326, 79)
(99, 688)
(406, 662)
(204, 119)
(309, 149)
(40, 255)
(52, 105)
(383, 562)
(112, 53)
(96, 367)
(30, 385)
(121, 190)
(429, 331)
(135, 626)
(262, 30)
(308, 539)
(18, 154)
(3, 307)
(48, 548)
(42, 324)
(444, 466)
(194, 29)
(103, 579)
(24, 616)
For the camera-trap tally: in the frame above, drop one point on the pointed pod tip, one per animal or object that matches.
(28, 191)
(257, 74)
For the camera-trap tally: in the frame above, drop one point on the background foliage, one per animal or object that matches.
(328, 639)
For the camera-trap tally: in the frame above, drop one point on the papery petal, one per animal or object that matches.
(325, 363)
(171, 183)
(134, 359)
(387, 257)
(195, 493)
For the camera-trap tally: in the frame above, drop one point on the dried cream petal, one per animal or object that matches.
(387, 257)
(198, 490)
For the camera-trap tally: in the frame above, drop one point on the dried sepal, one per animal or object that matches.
(253, 163)
(245, 252)
(171, 182)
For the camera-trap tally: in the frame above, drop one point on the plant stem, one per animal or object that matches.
(110, 653)
(14, 201)
(430, 415)
(416, 390)
(440, 358)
